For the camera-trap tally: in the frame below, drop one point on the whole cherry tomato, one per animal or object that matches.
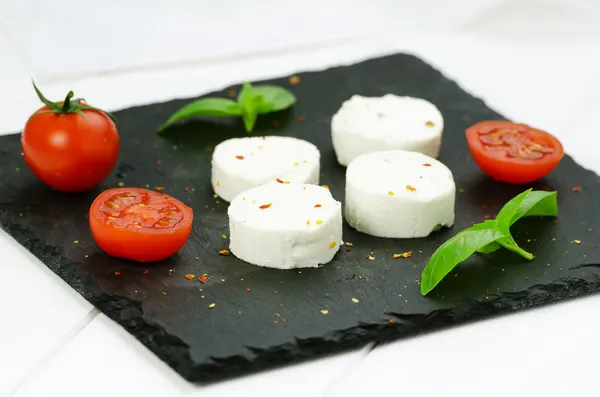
(70, 145)
(513, 153)
(139, 224)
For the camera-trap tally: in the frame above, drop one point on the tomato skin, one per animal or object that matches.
(515, 170)
(142, 244)
(70, 153)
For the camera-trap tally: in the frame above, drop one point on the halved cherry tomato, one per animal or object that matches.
(513, 153)
(139, 224)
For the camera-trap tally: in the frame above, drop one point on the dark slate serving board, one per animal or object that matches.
(279, 320)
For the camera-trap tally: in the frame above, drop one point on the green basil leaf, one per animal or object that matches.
(250, 101)
(504, 219)
(245, 94)
(510, 244)
(274, 98)
(537, 202)
(249, 118)
(487, 224)
(491, 247)
(215, 107)
(454, 251)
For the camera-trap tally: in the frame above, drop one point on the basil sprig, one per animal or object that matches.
(487, 236)
(251, 102)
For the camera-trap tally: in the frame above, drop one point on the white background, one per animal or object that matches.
(536, 61)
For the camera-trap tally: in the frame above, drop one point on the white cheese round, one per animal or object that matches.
(285, 226)
(399, 194)
(370, 124)
(239, 164)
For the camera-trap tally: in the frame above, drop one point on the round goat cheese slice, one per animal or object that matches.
(239, 164)
(370, 124)
(285, 226)
(399, 194)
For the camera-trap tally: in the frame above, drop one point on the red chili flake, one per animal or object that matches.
(285, 324)
(190, 276)
(484, 206)
(348, 249)
(265, 206)
(10, 200)
(410, 188)
(224, 252)
(576, 189)
(556, 221)
(186, 189)
(486, 217)
(275, 123)
(159, 188)
(239, 157)
(318, 205)
(392, 320)
(146, 271)
(159, 162)
(117, 273)
(426, 165)
(546, 188)
(231, 93)
(301, 118)
(526, 278)
(294, 80)
(279, 180)
(202, 279)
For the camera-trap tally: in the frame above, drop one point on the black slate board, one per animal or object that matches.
(279, 320)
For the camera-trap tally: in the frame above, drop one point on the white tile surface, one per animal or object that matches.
(15, 74)
(547, 19)
(39, 313)
(104, 351)
(541, 352)
(124, 34)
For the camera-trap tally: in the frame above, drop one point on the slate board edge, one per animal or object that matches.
(152, 335)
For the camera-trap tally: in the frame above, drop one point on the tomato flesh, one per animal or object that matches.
(139, 224)
(513, 153)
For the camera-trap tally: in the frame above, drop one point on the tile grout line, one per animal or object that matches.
(18, 51)
(330, 387)
(48, 356)
(199, 62)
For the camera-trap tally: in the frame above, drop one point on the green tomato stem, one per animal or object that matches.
(67, 103)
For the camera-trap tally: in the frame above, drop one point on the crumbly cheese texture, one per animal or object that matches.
(285, 226)
(239, 164)
(369, 124)
(399, 194)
